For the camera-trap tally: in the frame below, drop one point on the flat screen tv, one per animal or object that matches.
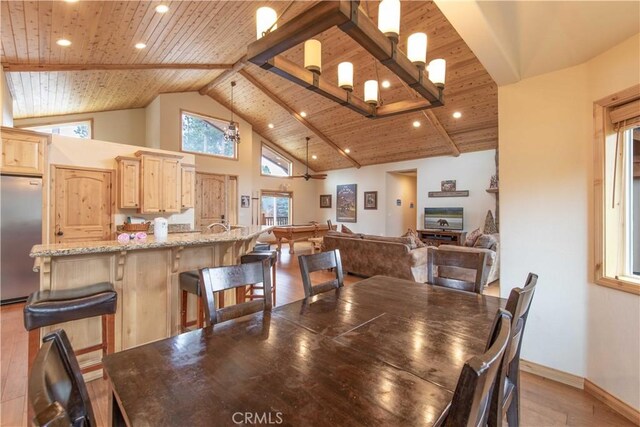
(443, 218)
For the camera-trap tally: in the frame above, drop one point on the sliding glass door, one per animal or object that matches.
(276, 208)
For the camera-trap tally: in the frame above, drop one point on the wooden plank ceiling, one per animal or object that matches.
(203, 32)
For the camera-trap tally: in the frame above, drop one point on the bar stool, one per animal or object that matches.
(47, 308)
(256, 256)
(190, 284)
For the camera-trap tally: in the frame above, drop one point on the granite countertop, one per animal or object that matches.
(175, 239)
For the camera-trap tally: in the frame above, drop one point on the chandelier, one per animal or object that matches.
(232, 131)
(380, 41)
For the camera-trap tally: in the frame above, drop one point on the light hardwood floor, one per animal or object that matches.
(544, 402)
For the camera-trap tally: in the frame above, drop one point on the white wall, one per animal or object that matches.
(472, 171)
(121, 126)
(6, 101)
(546, 202)
(400, 218)
(90, 153)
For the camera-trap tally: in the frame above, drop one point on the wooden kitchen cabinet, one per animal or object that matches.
(188, 186)
(160, 182)
(23, 152)
(128, 182)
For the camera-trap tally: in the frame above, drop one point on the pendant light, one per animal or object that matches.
(313, 56)
(437, 69)
(265, 21)
(232, 132)
(371, 92)
(345, 76)
(389, 18)
(417, 49)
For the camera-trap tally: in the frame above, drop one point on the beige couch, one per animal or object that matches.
(366, 255)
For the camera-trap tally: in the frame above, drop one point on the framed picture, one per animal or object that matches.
(325, 200)
(245, 201)
(347, 203)
(371, 200)
(448, 185)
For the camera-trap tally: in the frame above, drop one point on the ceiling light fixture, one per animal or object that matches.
(63, 42)
(385, 84)
(346, 150)
(162, 8)
(380, 41)
(140, 45)
(71, 1)
(303, 114)
(271, 126)
(232, 131)
(314, 157)
(416, 124)
(457, 114)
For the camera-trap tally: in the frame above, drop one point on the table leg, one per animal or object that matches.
(117, 419)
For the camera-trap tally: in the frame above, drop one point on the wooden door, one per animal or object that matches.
(171, 192)
(82, 202)
(210, 198)
(151, 184)
(188, 186)
(128, 183)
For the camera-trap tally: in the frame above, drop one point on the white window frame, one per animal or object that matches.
(277, 153)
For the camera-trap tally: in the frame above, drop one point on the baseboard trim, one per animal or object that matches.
(552, 374)
(613, 402)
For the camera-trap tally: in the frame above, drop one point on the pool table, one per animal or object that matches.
(299, 233)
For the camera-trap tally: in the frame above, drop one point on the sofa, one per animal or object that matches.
(368, 255)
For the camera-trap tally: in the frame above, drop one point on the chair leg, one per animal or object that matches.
(108, 337)
(513, 411)
(183, 311)
(32, 352)
(273, 283)
(200, 323)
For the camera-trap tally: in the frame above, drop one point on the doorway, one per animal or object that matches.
(83, 203)
(401, 202)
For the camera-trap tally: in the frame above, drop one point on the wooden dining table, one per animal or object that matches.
(383, 351)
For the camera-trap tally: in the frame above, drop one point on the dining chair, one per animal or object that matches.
(259, 256)
(472, 398)
(507, 401)
(456, 269)
(316, 262)
(215, 280)
(57, 391)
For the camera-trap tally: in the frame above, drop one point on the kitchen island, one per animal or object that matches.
(145, 275)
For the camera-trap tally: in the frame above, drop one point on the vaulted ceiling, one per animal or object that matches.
(205, 39)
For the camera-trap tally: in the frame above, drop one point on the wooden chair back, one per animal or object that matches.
(215, 280)
(57, 390)
(472, 397)
(468, 260)
(330, 224)
(518, 305)
(320, 261)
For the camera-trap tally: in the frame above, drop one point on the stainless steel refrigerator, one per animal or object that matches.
(20, 229)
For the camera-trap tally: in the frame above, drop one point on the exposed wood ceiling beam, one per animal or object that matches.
(239, 65)
(431, 117)
(243, 117)
(298, 117)
(17, 67)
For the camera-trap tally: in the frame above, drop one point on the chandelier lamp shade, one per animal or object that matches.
(265, 21)
(313, 56)
(345, 76)
(371, 92)
(417, 49)
(232, 131)
(380, 41)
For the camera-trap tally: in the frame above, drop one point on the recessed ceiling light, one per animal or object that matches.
(140, 45)
(271, 126)
(71, 1)
(162, 8)
(303, 114)
(314, 157)
(416, 124)
(457, 114)
(63, 42)
(346, 150)
(385, 84)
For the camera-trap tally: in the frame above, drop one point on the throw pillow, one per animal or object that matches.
(346, 230)
(485, 241)
(472, 237)
(417, 243)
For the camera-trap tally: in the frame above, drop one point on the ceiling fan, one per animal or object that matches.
(306, 175)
